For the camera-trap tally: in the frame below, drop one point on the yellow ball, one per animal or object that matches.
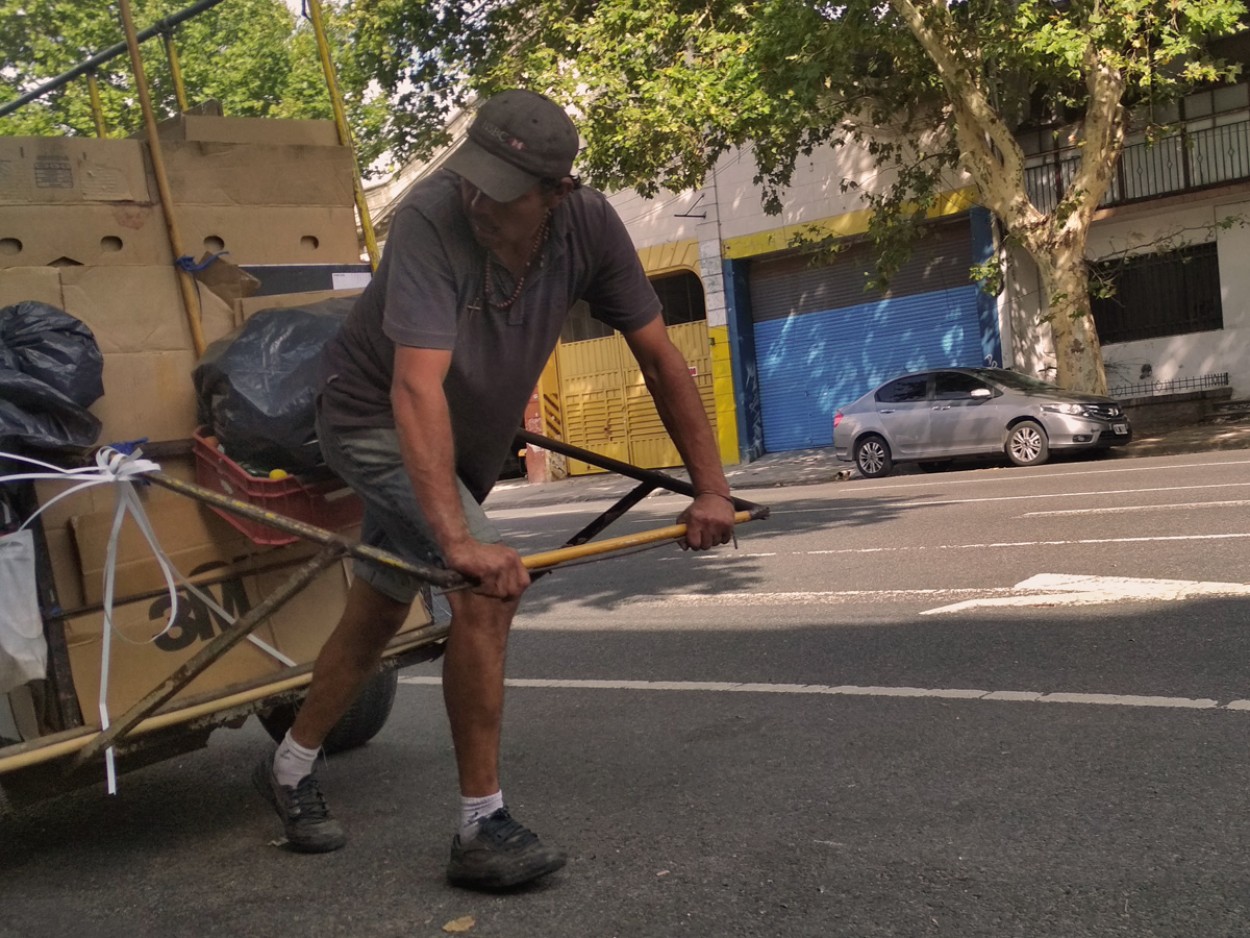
(277, 475)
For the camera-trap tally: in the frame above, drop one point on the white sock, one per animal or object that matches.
(473, 810)
(293, 761)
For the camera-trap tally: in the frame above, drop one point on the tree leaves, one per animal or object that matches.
(248, 54)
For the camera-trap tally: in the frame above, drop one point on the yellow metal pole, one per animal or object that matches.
(97, 109)
(68, 742)
(186, 283)
(175, 70)
(345, 134)
(553, 558)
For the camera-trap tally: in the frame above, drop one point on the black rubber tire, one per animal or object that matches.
(363, 720)
(1027, 444)
(872, 457)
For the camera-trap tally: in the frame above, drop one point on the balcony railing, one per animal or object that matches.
(1190, 159)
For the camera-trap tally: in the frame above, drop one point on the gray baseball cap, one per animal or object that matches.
(516, 139)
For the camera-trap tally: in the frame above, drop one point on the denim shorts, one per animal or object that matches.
(370, 462)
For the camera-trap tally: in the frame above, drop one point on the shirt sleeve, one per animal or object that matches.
(420, 304)
(619, 293)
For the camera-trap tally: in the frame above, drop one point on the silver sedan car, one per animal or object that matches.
(932, 416)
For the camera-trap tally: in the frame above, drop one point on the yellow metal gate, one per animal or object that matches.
(606, 406)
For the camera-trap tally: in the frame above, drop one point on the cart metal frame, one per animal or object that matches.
(153, 729)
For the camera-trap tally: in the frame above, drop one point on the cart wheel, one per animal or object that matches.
(359, 724)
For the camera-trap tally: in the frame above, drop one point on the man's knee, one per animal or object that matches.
(485, 616)
(373, 614)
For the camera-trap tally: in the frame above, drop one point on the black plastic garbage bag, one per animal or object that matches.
(51, 370)
(51, 345)
(257, 387)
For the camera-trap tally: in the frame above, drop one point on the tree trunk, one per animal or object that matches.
(1065, 280)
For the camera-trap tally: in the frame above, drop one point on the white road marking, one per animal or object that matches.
(999, 544)
(1172, 506)
(1058, 589)
(1044, 589)
(1067, 496)
(804, 598)
(850, 690)
(1014, 477)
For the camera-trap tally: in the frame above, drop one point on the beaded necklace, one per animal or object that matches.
(488, 280)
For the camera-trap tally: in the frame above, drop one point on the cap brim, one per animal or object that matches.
(501, 181)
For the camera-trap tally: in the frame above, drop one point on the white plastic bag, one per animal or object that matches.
(23, 650)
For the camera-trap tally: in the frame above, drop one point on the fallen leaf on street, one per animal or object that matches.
(458, 926)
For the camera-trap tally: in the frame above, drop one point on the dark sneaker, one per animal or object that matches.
(501, 854)
(305, 817)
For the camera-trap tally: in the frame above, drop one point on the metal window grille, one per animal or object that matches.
(1191, 159)
(1156, 295)
(1175, 386)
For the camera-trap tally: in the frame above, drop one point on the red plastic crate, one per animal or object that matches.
(327, 504)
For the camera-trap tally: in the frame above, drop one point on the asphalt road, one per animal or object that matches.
(998, 702)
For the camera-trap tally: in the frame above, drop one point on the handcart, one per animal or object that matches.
(175, 703)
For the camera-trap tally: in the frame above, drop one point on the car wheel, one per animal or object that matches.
(359, 724)
(938, 465)
(1027, 444)
(872, 457)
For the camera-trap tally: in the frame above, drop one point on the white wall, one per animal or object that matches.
(1194, 221)
(814, 196)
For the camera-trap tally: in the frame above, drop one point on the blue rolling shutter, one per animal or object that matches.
(821, 341)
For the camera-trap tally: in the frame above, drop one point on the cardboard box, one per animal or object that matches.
(301, 627)
(272, 234)
(297, 630)
(264, 130)
(83, 234)
(246, 308)
(147, 395)
(103, 498)
(226, 280)
(193, 538)
(141, 658)
(63, 556)
(139, 309)
(54, 170)
(41, 284)
(202, 173)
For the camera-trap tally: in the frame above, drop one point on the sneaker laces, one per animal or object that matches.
(307, 801)
(503, 829)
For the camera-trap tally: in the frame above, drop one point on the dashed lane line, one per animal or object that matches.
(1126, 509)
(850, 690)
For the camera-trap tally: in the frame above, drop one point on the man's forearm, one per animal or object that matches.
(423, 423)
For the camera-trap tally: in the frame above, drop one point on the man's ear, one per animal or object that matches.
(561, 192)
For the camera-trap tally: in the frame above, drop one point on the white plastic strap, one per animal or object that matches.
(121, 469)
(116, 468)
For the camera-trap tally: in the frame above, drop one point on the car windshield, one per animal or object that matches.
(1017, 381)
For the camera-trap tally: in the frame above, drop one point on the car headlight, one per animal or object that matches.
(1075, 410)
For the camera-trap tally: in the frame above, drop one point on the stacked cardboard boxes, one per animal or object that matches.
(81, 229)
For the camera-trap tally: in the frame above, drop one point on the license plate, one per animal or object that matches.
(1120, 428)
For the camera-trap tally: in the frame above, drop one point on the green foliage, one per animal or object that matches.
(247, 54)
(666, 88)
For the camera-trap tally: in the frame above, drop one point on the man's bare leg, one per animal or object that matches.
(347, 660)
(473, 673)
(492, 850)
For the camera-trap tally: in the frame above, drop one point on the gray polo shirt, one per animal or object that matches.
(428, 293)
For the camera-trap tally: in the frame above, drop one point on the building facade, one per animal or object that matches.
(779, 335)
